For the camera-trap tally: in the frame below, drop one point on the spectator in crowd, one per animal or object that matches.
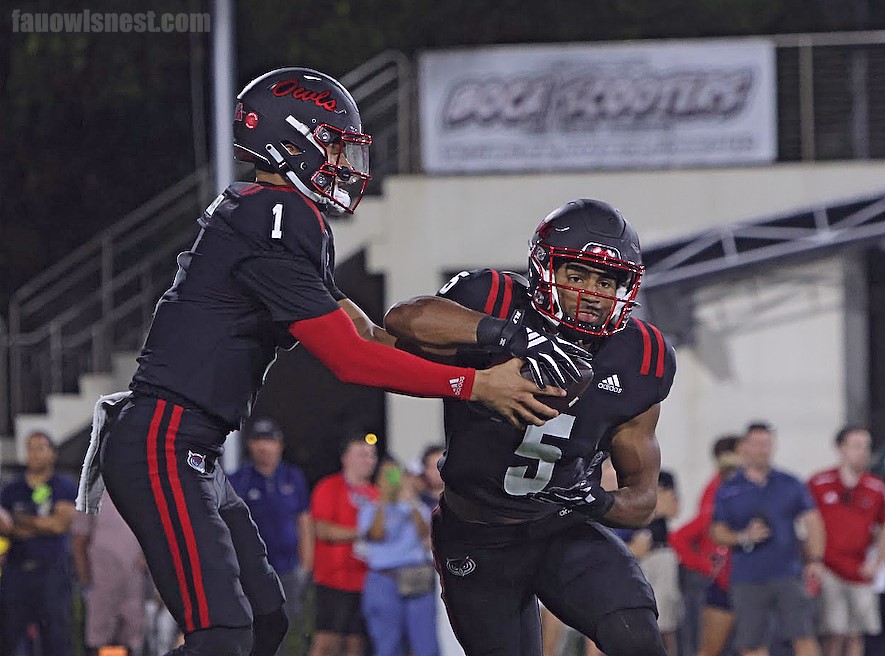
(338, 575)
(755, 514)
(36, 582)
(852, 504)
(660, 565)
(433, 482)
(276, 493)
(111, 571)
(658, 561)
(398, 598)
(699, 554)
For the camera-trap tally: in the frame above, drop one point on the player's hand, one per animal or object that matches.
(585, 497)
(758, 531)
(544, 352)
(503, 390)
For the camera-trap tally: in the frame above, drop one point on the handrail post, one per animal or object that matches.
(16, 384)
(5, 424)
(107, 302)
(806, 99)
(56, 358)
(98, 345)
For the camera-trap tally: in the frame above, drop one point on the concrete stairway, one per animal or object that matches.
(68, 414)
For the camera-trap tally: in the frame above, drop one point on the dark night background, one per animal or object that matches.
(93, 125)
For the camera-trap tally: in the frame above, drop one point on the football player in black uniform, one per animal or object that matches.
(258, 277)
(522, 512)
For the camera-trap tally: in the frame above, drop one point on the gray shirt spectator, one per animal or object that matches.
(111, 571)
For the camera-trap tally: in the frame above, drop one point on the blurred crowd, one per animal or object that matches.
(768, 563)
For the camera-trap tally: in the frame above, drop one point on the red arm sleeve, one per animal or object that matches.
(334, 340)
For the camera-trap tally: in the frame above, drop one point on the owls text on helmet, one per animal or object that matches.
(305, 126)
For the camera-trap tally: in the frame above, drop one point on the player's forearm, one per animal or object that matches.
(79, 548)
(816, 536)
(366, 328)
(433, 321)
(418, 520)
(334, 340)
(334, 532)
(377, 530)
(52, 525)
(880, 549)
(633, 507)
(306, 538)
(720, 533)
(6, 523)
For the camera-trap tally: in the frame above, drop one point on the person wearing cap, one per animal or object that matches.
(277, 496)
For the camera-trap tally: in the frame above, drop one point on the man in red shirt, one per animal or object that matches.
(698, 553)
(852, 503)
(337, 573)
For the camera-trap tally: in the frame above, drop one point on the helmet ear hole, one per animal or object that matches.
(291, 148)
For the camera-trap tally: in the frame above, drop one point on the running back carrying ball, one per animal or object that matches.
(573, 389)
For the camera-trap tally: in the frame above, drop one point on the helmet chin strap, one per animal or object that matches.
(334, 209)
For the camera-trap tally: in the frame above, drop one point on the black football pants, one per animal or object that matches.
(493, 575)
(201, 545)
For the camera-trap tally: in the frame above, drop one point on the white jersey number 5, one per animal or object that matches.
(516, 482)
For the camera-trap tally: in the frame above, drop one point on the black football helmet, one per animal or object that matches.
(595, 234)
(290, 120)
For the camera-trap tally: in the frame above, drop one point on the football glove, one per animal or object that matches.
(545, 353)
(584, 497)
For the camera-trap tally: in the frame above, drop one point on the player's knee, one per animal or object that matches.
(630, 632)
(219, 641)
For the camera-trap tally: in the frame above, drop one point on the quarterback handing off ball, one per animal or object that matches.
(573, 389)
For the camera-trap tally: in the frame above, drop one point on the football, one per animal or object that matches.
(573, 391)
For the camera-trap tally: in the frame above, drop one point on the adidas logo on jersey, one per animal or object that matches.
(457, 385)
(611, 384)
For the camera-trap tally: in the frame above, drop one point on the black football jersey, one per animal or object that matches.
(494, 465)
(264, 257)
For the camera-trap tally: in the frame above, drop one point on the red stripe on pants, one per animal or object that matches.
(163, 508)
(184, 517)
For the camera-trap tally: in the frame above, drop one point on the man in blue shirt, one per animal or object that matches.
(36, 582)
(755, 514)
(276, 493)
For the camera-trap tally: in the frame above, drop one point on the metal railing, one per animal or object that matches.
(99, 299)
(831, 95)
(69, 319)
(382, 88)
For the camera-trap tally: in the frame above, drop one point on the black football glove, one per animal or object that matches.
(545, 353)
(584, 497)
